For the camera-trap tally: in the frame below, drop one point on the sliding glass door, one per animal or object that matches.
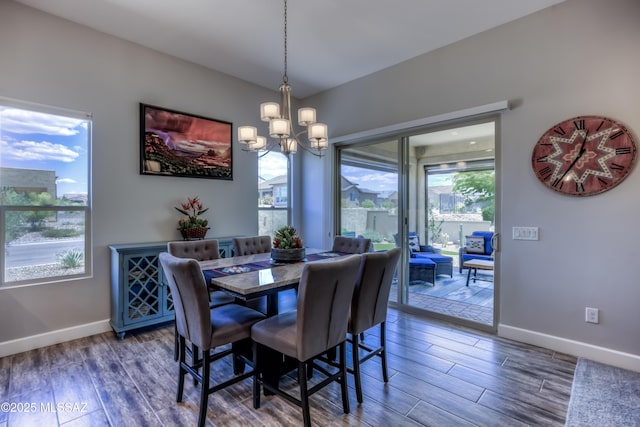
(368, 187)
(426, 191)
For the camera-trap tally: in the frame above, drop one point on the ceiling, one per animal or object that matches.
(330, 42)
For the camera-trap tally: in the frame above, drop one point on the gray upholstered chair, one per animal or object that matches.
(369, 308)
(351, 245)
(318, 324)
(200, 250)
(251, 245)
(207, 328)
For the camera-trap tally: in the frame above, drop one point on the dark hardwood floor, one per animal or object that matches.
(440, 375)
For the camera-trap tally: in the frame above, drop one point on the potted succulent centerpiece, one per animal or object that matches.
(191, 226)
(287, 245)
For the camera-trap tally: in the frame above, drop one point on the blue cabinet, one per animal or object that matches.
(139, 294)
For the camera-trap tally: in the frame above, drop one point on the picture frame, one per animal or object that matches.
(174, 143)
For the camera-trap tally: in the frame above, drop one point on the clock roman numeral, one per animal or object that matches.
(560, 131)
(602, 182)
(617, 166)
(579, 187)
(544, 158)
(617, 134)
(556, 182)
(579, 124)
(599, 126)
(623, 150)
(545, 172)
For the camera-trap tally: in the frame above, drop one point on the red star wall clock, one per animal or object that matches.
(584, 155)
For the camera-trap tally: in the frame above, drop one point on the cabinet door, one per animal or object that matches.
(225, 248)
(143, 299)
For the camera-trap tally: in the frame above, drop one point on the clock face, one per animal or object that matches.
(584, 156)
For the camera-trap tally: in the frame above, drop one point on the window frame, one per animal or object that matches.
(274, 208)
(87, 208)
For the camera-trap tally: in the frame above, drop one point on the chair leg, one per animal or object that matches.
(238, 363)
(195, 358)
(383, 351)
(304, 393)
(204, 388)
(176, 346)
(181, 371)
(355, 357)
(256, 377)
(343, 377)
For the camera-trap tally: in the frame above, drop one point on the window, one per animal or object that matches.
(45, 201)
(273, 192)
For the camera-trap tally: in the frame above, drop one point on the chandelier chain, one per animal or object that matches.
(285, 78)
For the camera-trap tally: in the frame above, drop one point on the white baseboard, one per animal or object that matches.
(575, 348)
(54, 337)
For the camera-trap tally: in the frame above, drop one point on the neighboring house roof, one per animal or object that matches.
(269, 183)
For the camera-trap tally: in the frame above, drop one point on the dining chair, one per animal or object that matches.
(319, 323)
(251, 245)
(369, 308)
(207, 328)
(200, 250)
(351, 245)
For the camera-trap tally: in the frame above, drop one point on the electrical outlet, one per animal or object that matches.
(591, 315)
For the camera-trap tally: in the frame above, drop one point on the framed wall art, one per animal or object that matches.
(173, 143)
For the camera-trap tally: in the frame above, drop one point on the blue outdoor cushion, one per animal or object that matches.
(434, 257)
(422, 262)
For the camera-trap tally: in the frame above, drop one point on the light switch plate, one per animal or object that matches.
(525, 233)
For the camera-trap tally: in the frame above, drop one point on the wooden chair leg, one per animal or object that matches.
(304, 393)
(238, 363)
(181, 371)
(195, 358)
(256, 377)
(204, 388)
(383, 352)
(343, 377)
(355, 357)
(176, 346)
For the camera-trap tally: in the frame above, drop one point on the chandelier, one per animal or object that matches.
(280, 123)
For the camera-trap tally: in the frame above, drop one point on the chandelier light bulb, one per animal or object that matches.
(261, 143)
(319, 144)
(279, 128)
(306, 116)
(288, 145)
(269, 111)
(317, 131)
(246, 134)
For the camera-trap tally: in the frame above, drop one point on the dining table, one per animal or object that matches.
(251, 276)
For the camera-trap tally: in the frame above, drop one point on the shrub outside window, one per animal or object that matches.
(44, 194)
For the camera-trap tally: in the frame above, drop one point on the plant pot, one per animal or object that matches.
(194, 233)
(287, 255)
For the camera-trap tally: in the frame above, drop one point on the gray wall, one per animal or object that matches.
(577, 58)
(51, 61)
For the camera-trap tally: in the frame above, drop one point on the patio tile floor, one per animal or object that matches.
(451, 296)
